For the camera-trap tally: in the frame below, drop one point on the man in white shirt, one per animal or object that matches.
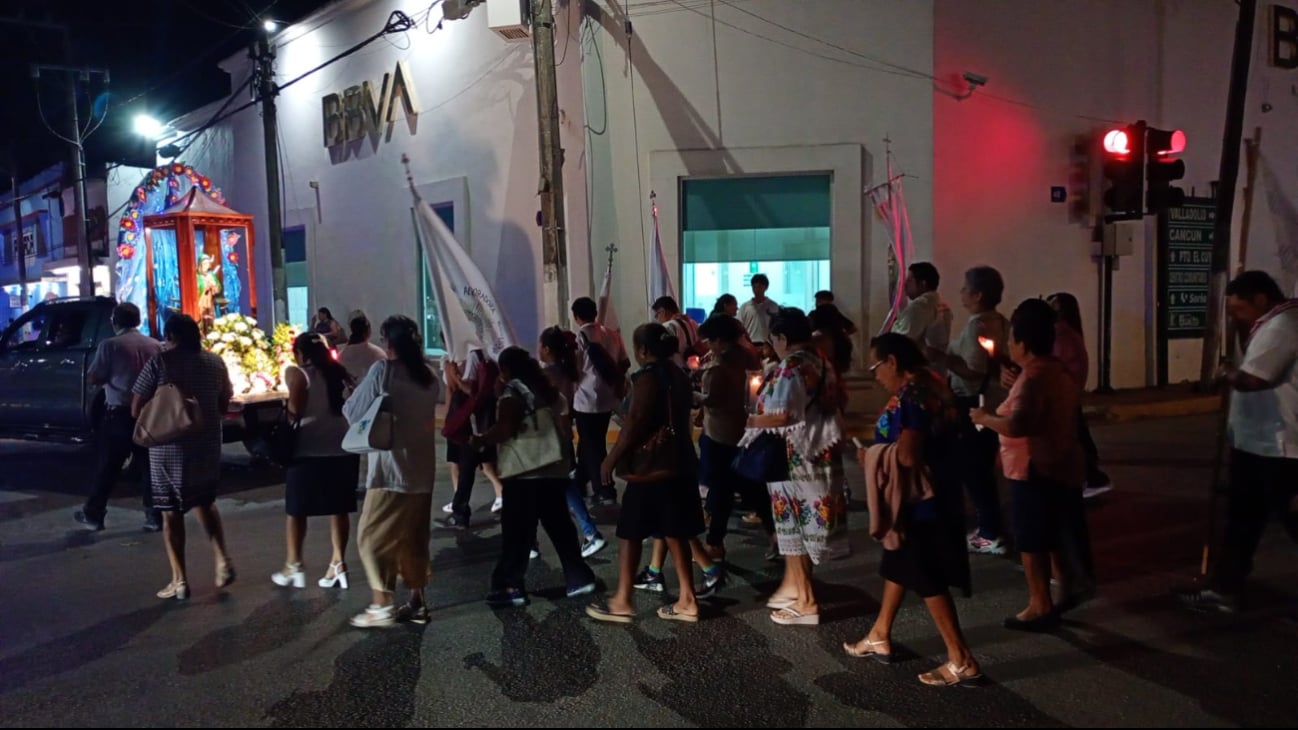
(925, 319)
(686, 331)
(116, 365)
(1263, 426)
(757, 312)
(597, 396)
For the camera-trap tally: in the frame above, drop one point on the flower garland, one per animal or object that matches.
(130, 227)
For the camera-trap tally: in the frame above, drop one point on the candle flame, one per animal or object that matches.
(693, 362)
(988, 344)
(755, 381)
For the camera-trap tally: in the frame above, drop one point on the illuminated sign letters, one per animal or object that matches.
(351, 115)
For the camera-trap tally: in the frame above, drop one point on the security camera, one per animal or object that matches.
(975, 79)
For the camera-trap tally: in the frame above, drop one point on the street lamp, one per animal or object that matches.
(269, 26)
(148, 127)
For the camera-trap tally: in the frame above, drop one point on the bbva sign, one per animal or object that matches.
(351, 115)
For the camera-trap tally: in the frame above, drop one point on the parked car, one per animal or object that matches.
(44, 391)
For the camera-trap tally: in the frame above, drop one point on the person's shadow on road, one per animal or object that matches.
(542, 661)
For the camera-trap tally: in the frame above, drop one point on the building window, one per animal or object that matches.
(434, 342)
(733, 228)
(297, 279)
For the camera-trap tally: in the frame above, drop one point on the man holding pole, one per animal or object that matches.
(1263, 432)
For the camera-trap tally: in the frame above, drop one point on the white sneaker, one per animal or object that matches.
(592, 546)
(448, 509)
(495, 506)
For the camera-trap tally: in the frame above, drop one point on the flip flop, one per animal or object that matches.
(787, 616)
(956, 677)
(669, 613)
(776, 604)
(600, 612)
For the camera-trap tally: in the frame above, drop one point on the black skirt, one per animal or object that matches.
(932, 559)
(323, 485)
(669, 508)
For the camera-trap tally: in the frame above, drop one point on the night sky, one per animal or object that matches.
(162, 56)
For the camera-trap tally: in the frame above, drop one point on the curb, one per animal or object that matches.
(1122, 412)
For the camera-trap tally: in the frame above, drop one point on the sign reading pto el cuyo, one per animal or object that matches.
(1185, 237)
(353, 114)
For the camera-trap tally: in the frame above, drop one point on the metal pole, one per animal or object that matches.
(554, 247)
(79, 170)
(19, 251)
(1106, 329)
(1227, 178)
(268, 90)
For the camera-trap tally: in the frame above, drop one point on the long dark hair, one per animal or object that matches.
(1070, 312)
(724, 301)
(656, 340)
(315, 353)
(519, 365)
(562, 343)
(402, 336)
(182, 331)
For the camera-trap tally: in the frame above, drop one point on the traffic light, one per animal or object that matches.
(1162, 169)
(1124, 169)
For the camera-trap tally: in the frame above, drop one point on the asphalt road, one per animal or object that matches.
(83, 641)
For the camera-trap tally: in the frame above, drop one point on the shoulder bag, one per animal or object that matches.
(169, 415)
(535, 445)
(374, 431)
(655, 459)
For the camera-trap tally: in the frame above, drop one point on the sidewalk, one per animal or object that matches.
(866, 399)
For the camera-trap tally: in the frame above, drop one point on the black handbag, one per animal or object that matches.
(765, 460)
(277, 442)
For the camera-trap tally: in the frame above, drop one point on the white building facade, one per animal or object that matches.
(758, 124)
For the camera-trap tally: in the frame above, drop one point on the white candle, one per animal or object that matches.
(754, 387)
(982, 399)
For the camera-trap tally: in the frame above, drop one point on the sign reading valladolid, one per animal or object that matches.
(353, 114)
(470, 313)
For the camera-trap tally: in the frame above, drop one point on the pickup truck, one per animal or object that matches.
(44, 391)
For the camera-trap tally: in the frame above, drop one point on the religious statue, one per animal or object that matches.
(209, 289)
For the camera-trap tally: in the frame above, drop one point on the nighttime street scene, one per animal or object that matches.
(649, 363)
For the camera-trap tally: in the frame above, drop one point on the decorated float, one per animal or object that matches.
(180, 248)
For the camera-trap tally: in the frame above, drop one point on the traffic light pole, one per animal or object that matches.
(1227, 178)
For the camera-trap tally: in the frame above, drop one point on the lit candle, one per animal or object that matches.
(988, 344)
(692, 362)
(754, 385)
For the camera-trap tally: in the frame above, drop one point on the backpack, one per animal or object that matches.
(608, 370)
(458, 426)
(688, 332)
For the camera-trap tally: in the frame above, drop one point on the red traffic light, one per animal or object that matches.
(1165, 144)
(1116, 142)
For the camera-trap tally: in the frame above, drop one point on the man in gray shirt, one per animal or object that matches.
(116, 366)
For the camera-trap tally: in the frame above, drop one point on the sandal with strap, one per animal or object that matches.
(872, 650)
(949, 675)
(788, 616)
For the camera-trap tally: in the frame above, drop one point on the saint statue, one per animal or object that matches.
(209, 289)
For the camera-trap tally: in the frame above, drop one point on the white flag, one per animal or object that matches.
(660, 279)
(607, 314)
(467, 308)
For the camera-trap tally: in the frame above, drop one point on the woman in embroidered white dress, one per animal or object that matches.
(800, 401)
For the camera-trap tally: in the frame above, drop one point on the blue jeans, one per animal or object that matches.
(577, 506)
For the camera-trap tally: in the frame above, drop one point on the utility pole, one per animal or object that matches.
(264, 55)
(19, 250)
(1227, 178)
(554, 246)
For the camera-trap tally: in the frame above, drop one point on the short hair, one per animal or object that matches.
(182, 330)
(1033, 325)
(986, 281)
(1251, 283)
(910, 359)
(656, 340)
(824, 294)
(666, 304)
(126, 315)
(585, 309)
(792, 324)
(760, 279)
(721, 327)
(925, 272)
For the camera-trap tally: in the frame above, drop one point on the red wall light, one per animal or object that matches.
(1117, 143)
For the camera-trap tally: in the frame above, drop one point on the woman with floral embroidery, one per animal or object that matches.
(930, 557)
(800, 402)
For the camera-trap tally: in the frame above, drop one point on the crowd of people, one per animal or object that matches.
(765, 385)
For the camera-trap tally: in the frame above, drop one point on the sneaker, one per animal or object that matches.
(581, 590)
(592, 545)
(649, 580)
(375, 617)
(495, 506)
(90, 523)
(507, 599)
(1206, 600)
(712, 582)
(449, 508)
(1091, 492)
(982, 546)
